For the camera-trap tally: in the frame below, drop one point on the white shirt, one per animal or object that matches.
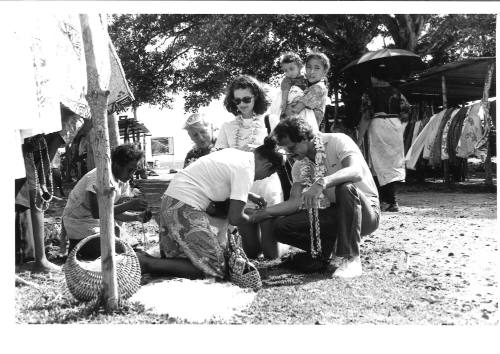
(223, 174)
(338, 146)
(240, 132)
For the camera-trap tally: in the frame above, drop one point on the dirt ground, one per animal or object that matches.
(433, 262)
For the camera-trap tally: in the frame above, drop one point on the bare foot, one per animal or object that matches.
(41, 267)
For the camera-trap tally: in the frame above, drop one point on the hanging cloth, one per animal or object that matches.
(435, 150)
(472, 133)
(422, 139)
(454, 133)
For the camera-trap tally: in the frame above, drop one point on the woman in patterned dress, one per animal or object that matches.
(189, 245)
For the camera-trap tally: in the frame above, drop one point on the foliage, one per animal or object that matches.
(449, 38)
(197, 55)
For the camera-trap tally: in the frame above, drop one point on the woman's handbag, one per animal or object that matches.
(242, 272)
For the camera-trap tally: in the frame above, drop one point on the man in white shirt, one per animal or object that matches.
(345, 183)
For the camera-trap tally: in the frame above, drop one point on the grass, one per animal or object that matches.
(434, 263)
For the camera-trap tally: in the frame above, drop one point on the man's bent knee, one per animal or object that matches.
(345, 190)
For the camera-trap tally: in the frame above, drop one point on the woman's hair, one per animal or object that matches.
(321, 57)
(123, 154)
(296, 129)
(291, 57)
(268, 151)
(247, 82)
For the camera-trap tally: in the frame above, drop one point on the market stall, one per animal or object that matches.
(446, 127)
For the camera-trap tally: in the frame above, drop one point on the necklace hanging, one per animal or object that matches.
(42, 198)
(308, 174)
(238, 138)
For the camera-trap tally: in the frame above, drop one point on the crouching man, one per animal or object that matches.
(333, 189)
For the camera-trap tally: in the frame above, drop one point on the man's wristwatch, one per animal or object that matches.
(321, 182)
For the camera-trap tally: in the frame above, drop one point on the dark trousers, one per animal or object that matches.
(351, 217)
(387, 192)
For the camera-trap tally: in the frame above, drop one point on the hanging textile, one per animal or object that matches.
(408, 134)
(454, 133)
(120, 96)
(422, 140)
(473, 133)
(71, 63)
(431, 133)
(435, 150)
(34, 92)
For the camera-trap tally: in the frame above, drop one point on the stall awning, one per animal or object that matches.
(464, 82)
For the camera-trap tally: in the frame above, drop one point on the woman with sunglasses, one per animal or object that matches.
(246, 99)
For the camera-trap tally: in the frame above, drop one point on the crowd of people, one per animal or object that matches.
(323, 205)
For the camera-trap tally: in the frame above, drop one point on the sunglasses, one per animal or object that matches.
(246, 100)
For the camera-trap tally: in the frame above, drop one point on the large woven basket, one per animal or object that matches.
(242, 271)
(86, 285)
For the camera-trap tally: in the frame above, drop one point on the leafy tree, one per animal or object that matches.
(197, 55)
(449, 38)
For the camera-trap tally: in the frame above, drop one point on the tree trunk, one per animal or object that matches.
(405, 29)
(114, 131)
(90, 150)
(95, 41)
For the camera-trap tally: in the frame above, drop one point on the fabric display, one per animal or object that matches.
(452, 134)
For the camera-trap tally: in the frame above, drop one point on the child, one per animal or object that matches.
(291, 64)
(316, 95)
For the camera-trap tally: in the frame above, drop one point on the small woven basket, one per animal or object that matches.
(86, 285)
(242, 272)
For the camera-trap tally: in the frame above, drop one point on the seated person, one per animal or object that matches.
(81, 214)
(188, 242)
(331, 182)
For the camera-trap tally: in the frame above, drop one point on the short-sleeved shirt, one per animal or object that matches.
(338, 146)
(220, 175)
(315, 98)
(78, 209)
(300, 81)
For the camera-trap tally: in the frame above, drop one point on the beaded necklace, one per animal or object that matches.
(43, 200)
(309, 172)
(255, 124)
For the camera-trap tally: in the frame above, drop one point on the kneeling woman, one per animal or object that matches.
(189, 244)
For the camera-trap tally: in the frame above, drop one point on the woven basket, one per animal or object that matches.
(242, 272)
(86, 285)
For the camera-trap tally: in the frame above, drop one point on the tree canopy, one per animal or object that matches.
(197, 55)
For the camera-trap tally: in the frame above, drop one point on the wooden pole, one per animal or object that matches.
(488, 124)
(90, 150)
(443, 89)
(114, 131)
(95, 42)
(446, 163)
